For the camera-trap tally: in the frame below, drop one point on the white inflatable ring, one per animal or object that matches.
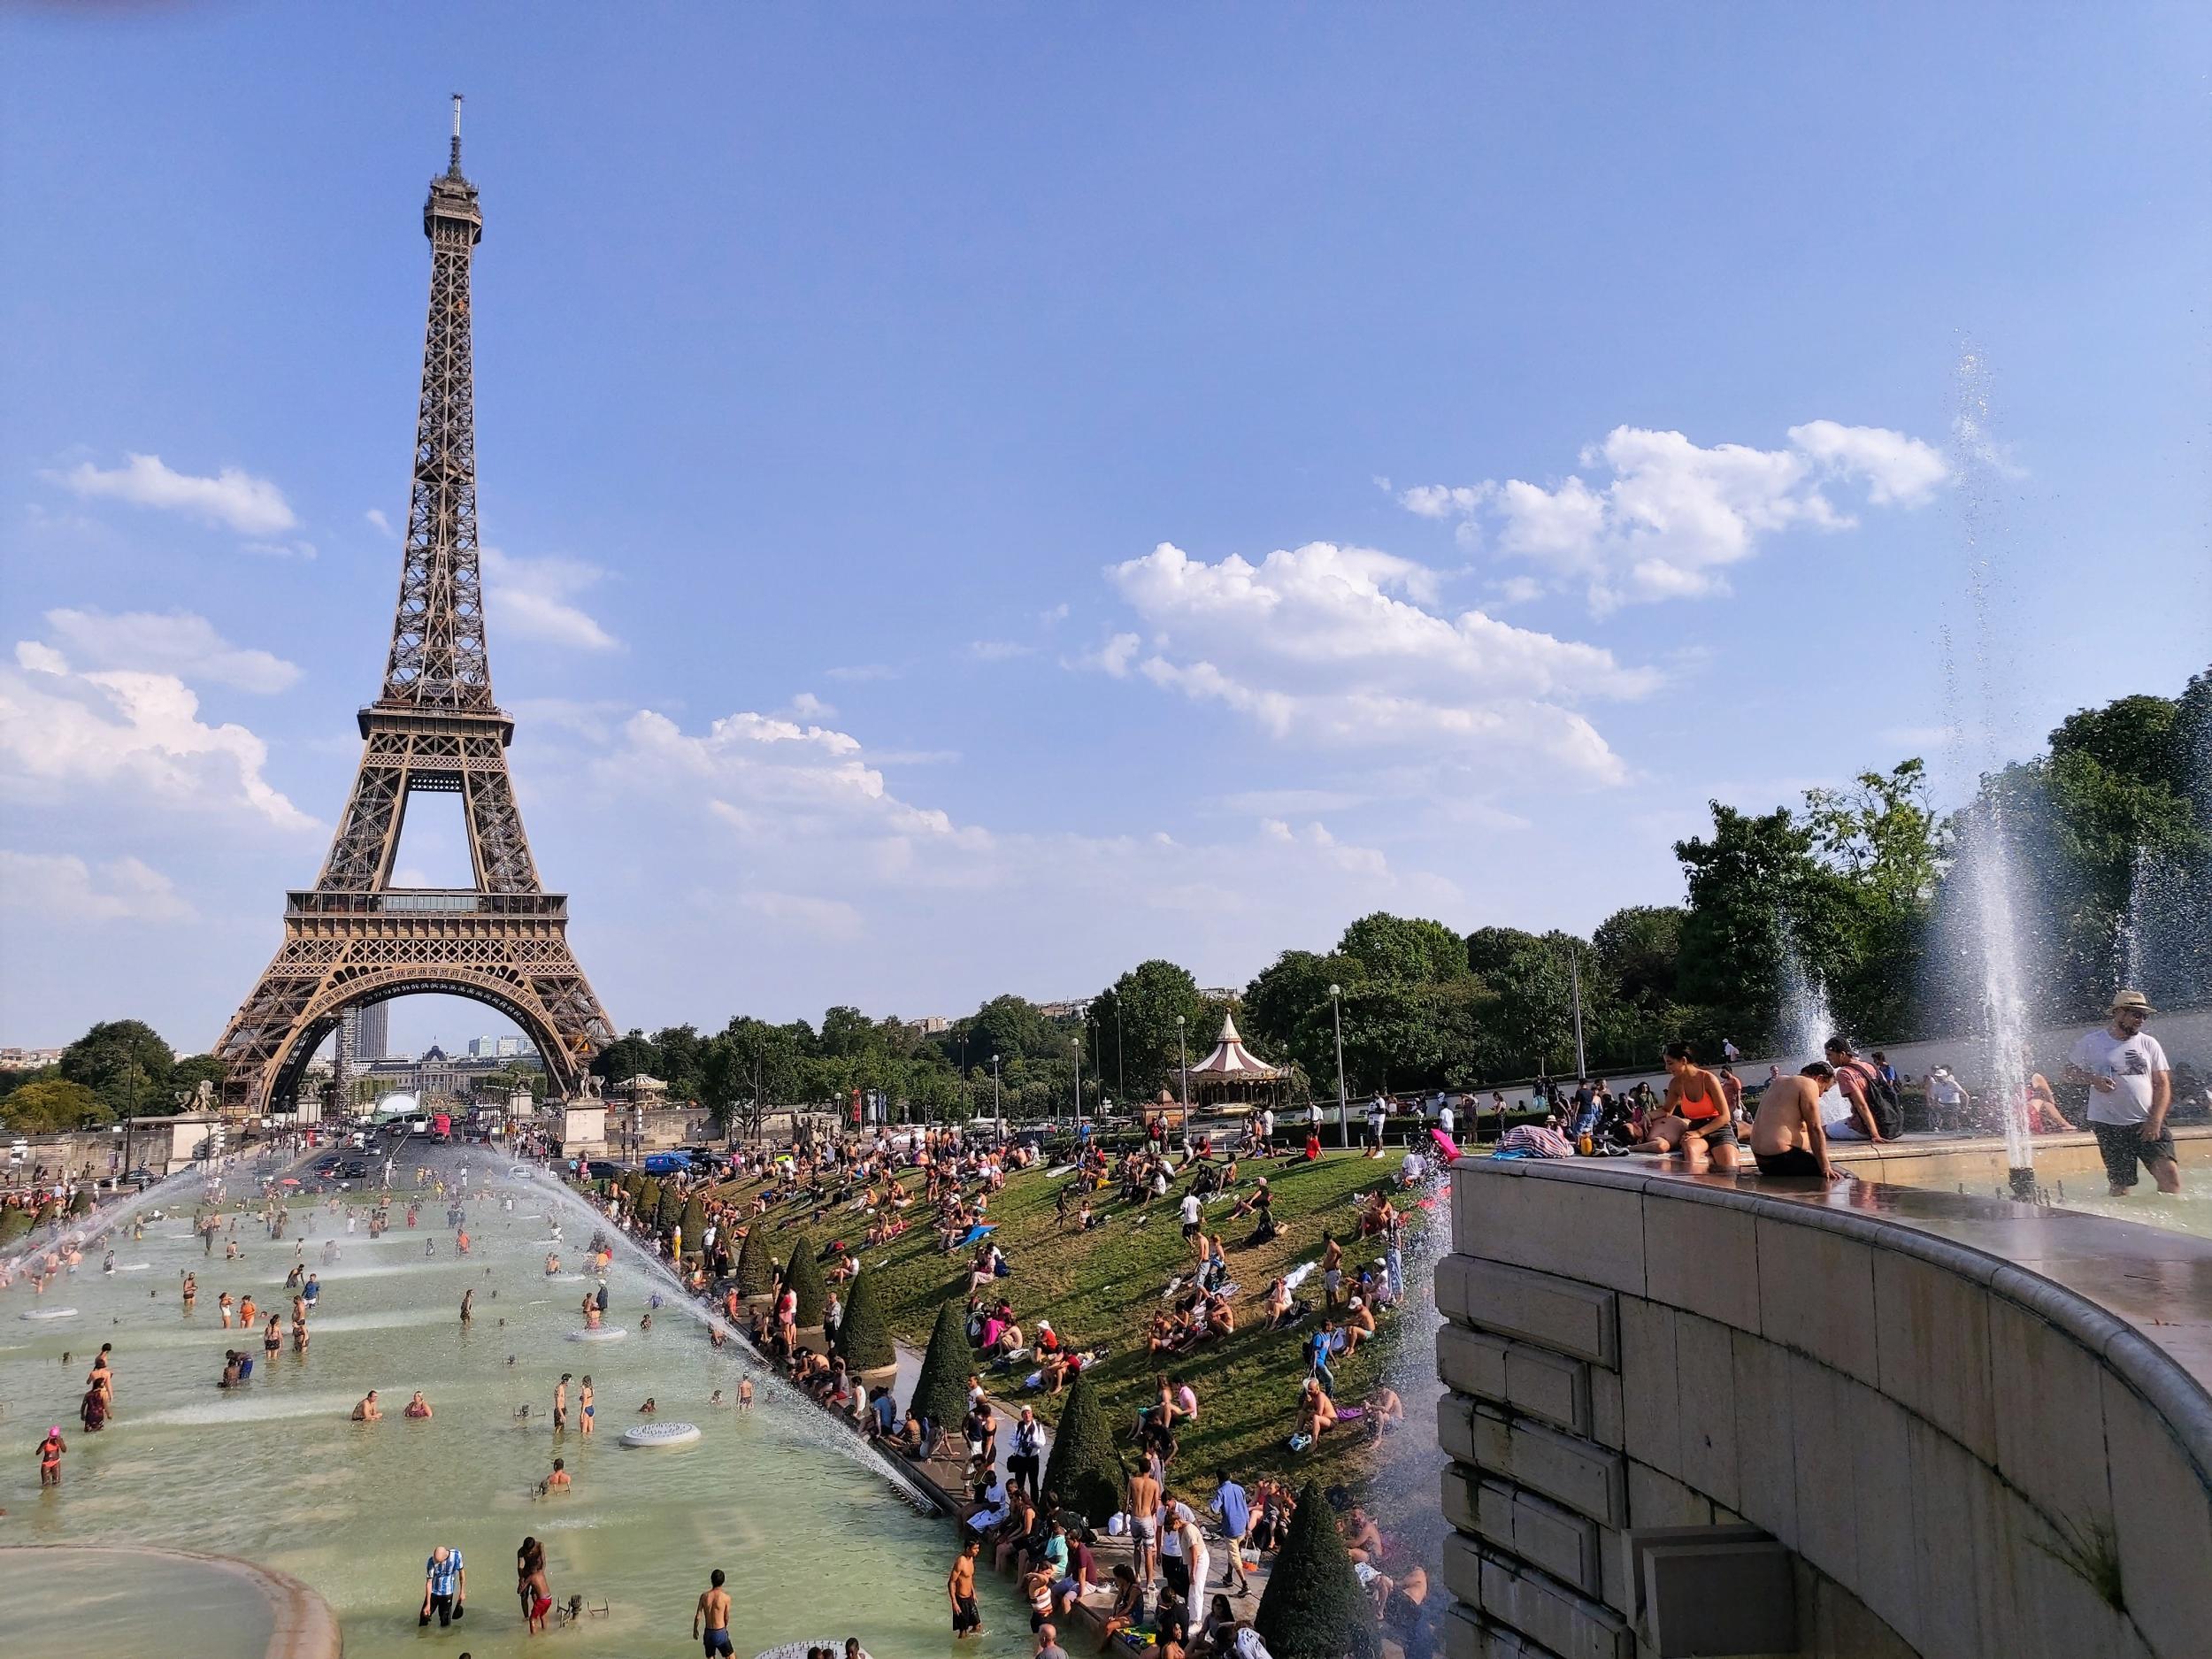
(661, 1434)
(604, 1333)
(48, 1313)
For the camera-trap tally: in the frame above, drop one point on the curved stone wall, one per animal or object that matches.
(1961, 1456)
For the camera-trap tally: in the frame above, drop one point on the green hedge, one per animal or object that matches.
(694, 1222)
(1314, 1608)
(941, 1393)
(863, 1342)
(755, 1267)
(804, 1276)
(1083, 1469)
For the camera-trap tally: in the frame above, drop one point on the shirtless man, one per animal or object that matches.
(967, 1619)
(368, 1410)
(1786, 1137)
(1144, 1524)
(1695, 1123)
(557, 1481)
(560, 1403)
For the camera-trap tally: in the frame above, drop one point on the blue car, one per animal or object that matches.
(668, 1163)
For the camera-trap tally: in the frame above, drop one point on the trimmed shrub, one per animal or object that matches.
(941, 1393)
(694, 1222)
(1083, 1468)
(670, 1211)
(1314, 1608)
(648, 1200)
(82, 1204)
(15, 1221)
(755, 1267)
(805, 1275)
(863, 1342)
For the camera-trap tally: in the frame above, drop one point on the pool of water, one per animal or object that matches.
(815, 1545)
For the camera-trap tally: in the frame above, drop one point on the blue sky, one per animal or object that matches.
(886, 416)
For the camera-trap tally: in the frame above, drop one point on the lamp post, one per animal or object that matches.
(998, 1108)
(1182, 1045)
(1574, 975)
(1336, 1020)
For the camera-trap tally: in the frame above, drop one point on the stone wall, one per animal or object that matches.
(1961, 1457)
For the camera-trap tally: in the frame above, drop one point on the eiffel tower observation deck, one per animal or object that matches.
(353, 938)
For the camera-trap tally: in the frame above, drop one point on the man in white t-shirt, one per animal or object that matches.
(2131, 1086)
(1193, 1206)
(1948, 1099)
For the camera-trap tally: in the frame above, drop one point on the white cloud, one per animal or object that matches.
(1670, 518)
(530, 597)
(132, 734)
(1335, 646)
(998, 650)
(177, 643)
(825, 919)
(1057, 614)
(234, 499)
(807, 706)
(857, 671)
(62, 887)
(301, 551)
(379, 522)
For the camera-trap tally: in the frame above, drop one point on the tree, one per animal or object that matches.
(804, 1277)
(1640, 950)
(125, 1063)
(1139, 1011)
(670, 1209)
(1412, 949)
(863, 1342)
(1287, 1012)
(51, 1106)
(1754, 885)
(1083, 1469)
(1313, 1607)
(682, 1062)
(80, 1201)
(940, 1392)
(756, 1262)
(627, 1056)
(694, 1223)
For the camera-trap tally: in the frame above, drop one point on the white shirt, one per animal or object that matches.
(1444, 1120)
(1190, 1208)
(2129, 1064)
(1945, 1091)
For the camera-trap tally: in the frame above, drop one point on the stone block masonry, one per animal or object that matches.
(1959, 1455)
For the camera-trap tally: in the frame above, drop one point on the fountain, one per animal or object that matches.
(810, 1422)
(1983, 847)
(1807, 1022)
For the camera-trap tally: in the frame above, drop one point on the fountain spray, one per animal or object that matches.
(1977, 469)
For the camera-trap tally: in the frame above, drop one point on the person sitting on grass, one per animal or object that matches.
(1316, 1412)
(1359, 1323)
(1280, 1306)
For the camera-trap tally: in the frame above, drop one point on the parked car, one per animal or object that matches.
(141, 1178)
(602, 1170)
(668, 1163)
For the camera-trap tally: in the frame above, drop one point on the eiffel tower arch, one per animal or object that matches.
(353, 938)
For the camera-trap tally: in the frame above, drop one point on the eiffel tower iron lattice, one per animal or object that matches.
(353, 938)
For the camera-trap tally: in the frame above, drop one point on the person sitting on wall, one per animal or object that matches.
(1696, 1126)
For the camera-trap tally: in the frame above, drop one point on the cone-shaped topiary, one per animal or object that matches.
(672, 1209)
(755, 1267)
(649, 1199)
(864, 1342)
(694, 1222)
(805, 1275)
(81, 1204)
(1083, 1468)
(941, 1393)
(14, 1223)
(1313, 1608)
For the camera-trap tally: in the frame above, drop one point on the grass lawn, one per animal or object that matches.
(1103, 1286)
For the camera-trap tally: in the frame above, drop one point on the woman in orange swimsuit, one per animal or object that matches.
(1695, 1121)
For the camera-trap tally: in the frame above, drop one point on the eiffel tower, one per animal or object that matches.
(354, 939)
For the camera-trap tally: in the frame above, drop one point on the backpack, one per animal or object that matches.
(1888, 1109)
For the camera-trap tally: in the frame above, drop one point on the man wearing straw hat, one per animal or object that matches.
(2131, 1086)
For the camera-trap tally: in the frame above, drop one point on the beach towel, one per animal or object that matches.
(978, 1233)
(1300, 1274)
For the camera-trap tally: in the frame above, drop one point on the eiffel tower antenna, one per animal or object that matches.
(354, 939)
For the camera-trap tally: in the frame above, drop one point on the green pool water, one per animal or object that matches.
(815, 1546)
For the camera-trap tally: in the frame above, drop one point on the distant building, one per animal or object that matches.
(509, 1047)
(372, 1033)
(28, 1059)
(929, 1026)
(1074, 1009)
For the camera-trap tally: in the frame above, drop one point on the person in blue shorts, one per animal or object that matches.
(713, 1613)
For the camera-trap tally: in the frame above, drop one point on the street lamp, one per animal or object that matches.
(1336, 1019)
(1182, 1046)
(1076, 1044)
(998, 1108)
